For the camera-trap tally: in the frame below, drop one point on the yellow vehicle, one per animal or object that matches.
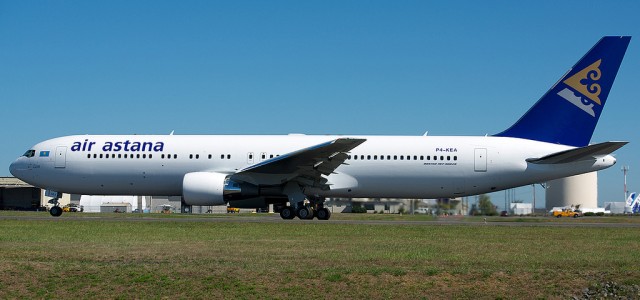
(566, 212)
(232, 210)
(72, 208)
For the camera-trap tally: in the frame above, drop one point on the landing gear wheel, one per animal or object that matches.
(56, 211)
(287, 213)
(305, 213)
(323, 214)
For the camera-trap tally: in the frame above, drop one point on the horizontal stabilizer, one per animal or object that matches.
(590, 152)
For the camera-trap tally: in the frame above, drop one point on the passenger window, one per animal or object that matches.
(221, 156)
(381, 157)
(119, 155)
(88, 155)
(375, 157)
(421, 157)
(175, 156)
(401, 157)
(190, 156)
(197, 156)
(441, 157)
(209, 156)
(150, 155)
(228, 156)
(408, 157)
(448, 157)
(388, 157)
(368, 157)
(455, 158)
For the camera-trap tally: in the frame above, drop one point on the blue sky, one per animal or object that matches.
(315, 67)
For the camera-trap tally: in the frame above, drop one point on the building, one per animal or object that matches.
(572, 191)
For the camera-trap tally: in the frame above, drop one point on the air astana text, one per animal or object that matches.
(127, 146)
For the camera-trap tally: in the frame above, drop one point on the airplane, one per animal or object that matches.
(297, 172)
(633, 203)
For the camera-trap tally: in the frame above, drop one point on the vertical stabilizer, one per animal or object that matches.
(568, 113)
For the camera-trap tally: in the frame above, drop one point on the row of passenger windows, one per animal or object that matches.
(402, 157)
(210, 156)
(126, 155)
(264, 156)
(144, 156)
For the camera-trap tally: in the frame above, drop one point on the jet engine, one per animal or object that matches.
(208, 188)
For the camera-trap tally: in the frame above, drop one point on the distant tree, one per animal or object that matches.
(474, 210)
(486, 207)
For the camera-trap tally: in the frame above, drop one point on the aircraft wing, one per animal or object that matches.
(590, 152)
(305, 166)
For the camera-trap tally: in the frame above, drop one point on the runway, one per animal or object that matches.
(600, 222)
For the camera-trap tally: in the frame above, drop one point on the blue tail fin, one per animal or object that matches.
(568, 113)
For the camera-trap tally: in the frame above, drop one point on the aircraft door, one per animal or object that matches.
(480, 160)
(61, 157)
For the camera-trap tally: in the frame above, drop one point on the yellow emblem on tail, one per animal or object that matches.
(585, 81)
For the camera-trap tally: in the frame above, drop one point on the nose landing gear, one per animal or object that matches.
(56, 210)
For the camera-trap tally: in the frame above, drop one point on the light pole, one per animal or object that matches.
(625, 169)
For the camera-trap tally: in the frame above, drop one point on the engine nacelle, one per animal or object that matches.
(208, 188)
(203, 188)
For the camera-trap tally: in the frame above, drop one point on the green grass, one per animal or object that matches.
(71, 257)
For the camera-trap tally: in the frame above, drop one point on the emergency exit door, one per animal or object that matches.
(480, 164)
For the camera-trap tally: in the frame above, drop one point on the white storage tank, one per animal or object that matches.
(580, 189)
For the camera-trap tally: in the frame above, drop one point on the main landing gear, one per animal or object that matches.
(306, 211)
(314, 208)
(56, 210)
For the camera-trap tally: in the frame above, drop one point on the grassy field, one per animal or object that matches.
(129, 256)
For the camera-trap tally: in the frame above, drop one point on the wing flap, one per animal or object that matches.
(590, 152)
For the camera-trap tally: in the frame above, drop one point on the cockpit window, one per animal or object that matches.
(30, 153)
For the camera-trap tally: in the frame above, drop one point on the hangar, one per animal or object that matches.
(16, 194)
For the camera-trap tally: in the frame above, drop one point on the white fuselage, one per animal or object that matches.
(381, 167)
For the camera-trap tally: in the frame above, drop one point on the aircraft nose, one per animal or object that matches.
(12, 168)
(16, 168)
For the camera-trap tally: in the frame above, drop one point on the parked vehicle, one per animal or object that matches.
(567, 212)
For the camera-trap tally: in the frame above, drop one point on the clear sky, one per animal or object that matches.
(314, 67)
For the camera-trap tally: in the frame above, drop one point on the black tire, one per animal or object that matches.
(56, 211)
(305, 213)
(323, 214)
(287, 213)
